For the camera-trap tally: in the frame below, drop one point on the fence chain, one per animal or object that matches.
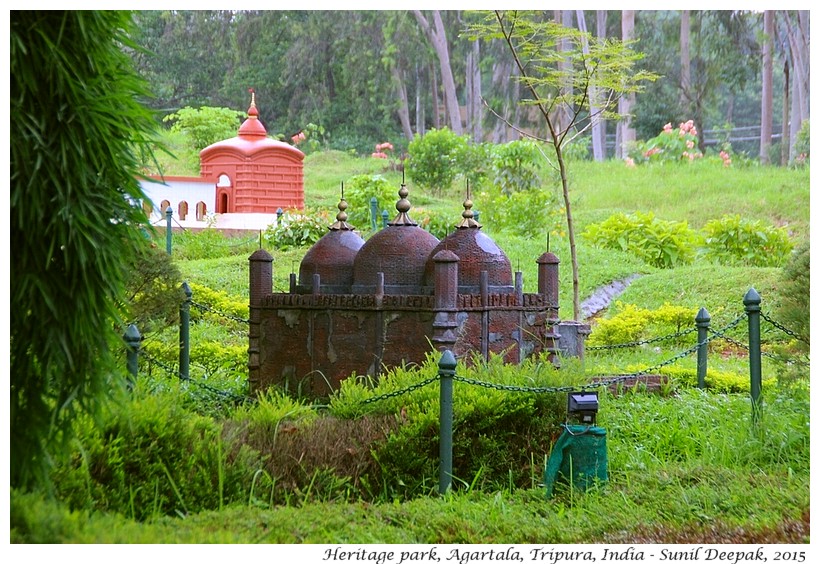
(645, 342)
(171, 371)
(508, 388)
(203, 307)
(403, 391)
(787, 331)
(174, 372)
(778, 358)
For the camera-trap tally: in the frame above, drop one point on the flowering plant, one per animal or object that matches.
(380, 150)
(670, 145)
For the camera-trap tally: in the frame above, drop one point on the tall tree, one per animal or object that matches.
(75, 220)
(437, 35)
(685, 57)
(597, 145)
(626, 102)
(766, 105)
(543, 72)
(797, 32)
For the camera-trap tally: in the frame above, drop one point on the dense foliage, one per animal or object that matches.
(78, 135)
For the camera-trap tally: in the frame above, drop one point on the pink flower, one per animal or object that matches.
(667, 128)
(690, 144)
(379, 155)
(384, 147)
(630, 162)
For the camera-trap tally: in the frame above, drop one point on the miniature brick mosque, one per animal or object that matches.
(360, 307)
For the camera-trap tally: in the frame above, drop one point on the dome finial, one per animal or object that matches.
(341, 223)
(467, 215)
(403, 206)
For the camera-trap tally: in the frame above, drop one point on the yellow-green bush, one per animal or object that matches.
(632, 323)
(218, 301)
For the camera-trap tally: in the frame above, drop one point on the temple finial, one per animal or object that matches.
(467, 215)
(341, 223)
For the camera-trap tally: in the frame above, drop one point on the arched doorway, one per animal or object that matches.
(223, 188)
(183, 210)
(201, 210)
(222, 203)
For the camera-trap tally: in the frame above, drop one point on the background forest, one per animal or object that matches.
(353, 79)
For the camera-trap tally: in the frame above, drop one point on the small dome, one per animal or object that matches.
(400, 251)
(331, 257)
(251, 140)
(476, 252)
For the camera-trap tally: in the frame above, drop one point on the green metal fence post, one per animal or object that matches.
(184, 333)
(168, 213)
(385, 218)
(374, 213)
(752, 302)
(446, 371)
(702, 320)
(132, 339)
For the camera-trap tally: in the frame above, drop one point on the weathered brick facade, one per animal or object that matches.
(359, 307)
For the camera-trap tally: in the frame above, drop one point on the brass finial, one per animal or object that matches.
(467, 215)
(403, 206)
(341, 217)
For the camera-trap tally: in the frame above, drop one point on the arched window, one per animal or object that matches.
(201, 210)
(224, 181)
(147, 208)
(163, 207)
(182, 210)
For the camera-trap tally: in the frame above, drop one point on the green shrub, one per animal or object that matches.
(500, 437)
(718, 381)
(206, 125)
(795, 294)
(670, 145)
(524, 213)
(515, 166)
(298, 230)
(218, 301)
(437, 223)
(359, 190)
(631, 323)
(802, 145)
(435, 158)
(734, 241)
(153, 291)
(664, 244)
(152, 457)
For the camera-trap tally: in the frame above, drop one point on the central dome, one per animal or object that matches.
(399, 251)
(477, 252)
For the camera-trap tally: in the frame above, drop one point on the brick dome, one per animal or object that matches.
(476, 252)
(331, 257)
(400, 251)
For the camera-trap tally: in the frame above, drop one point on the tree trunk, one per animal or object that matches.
(404, 107)
(601, 33)
(473, 84)
(784, 128)
(438, 38)
(594, 110)
(685, 60)
(436, 106)
(766, 108)
(419, 103)
(625, 104)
